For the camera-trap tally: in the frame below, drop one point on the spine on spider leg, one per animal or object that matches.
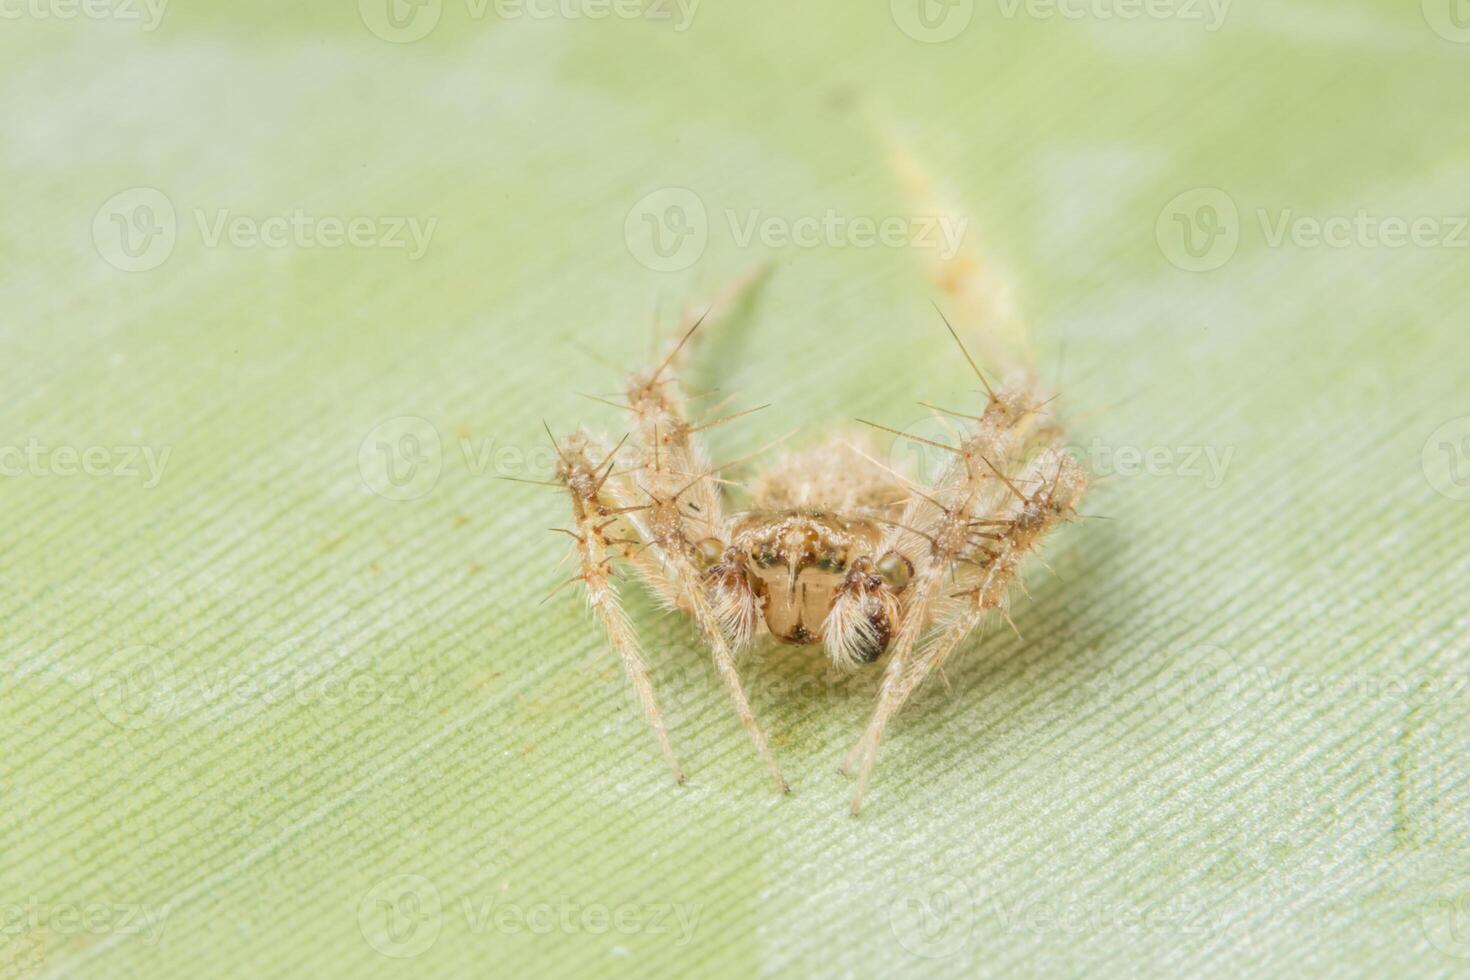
(596, 559)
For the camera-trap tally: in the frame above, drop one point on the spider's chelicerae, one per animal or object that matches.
(834, 548)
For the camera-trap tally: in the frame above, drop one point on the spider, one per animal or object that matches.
(834, 548)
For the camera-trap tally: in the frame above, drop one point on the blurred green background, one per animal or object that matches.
(283, 287)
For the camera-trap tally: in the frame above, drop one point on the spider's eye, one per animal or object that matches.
(710, 550)
(831, 562)
(895, 570)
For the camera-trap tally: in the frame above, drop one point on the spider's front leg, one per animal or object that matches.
(595, 515)
(685, 524)
(671, 497)
(971, 532)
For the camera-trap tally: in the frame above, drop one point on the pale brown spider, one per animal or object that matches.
(835, 548)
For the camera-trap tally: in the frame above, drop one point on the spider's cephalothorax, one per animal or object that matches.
(798, 560)
(833, 547)
(803, 563)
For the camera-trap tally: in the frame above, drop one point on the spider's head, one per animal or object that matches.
(797, 560)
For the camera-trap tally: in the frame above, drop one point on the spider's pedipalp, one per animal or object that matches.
(862, 617)
(737, 604)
